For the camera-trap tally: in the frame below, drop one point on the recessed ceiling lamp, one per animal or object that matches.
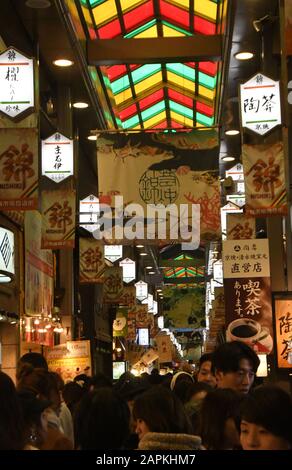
(227, 158)
(80, 105)
(232, 132)
(151, 272)
(38, 3)
(140, 246)
(244, 55)
(92, 137)
(63, 62)
(143, 254)
(158, 290)
(149, 267)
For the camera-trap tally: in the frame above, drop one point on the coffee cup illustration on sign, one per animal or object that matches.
(251, 332)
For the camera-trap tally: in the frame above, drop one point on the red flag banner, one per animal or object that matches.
(18, 169)
(58, 219)
(264, 176)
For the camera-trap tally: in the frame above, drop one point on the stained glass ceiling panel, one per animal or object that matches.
(150, 96)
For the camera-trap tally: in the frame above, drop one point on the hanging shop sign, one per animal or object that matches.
(129, 269)
(57, 157)
(16, 84)
(141, 290)
(6, 255)
(240, 227)
(148, 301)
(88, 213)
(70, 359)
(113, 285)
(113, 252)
(260, 104)
(247, 288)
(283, 320)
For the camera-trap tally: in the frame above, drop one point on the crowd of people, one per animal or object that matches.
(217, 408)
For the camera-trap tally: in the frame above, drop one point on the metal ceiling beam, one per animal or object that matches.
(154, 50)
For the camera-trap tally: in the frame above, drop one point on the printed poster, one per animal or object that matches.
(264, 177)
(70, 359)
(283, 319)
(164, 348)
(18, 169)
(165, 169)
(58, 219)
(39, 269)
(91, 261)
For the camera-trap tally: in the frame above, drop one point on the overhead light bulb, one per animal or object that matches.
(140, 246)
(63, 62)
(244, 55)
(228, 158)
(143, 254)
(149, 267)
(92, 137)
(232, 132)
(80, 105)
(151, 272)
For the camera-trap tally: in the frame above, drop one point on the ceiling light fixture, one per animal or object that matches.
(80, 105)
(151, 272)
(143, 254)
(38, 3)
(140, 246)
(244, 55)
(149, 267)
(232, 132)
(92, 137)
(63, 62)
(227, 158)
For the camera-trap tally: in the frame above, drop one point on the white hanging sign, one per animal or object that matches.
(141, 290)
(6, 255)
(113, 252)
(148, 301)
(57, 157)
(129, 269)
(88, 213)
(260, 104)
(236, 172)
(16, 83)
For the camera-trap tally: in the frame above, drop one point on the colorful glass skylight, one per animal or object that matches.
(150, 96)
(183, 271)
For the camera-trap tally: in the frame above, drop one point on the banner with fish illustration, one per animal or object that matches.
(18, 169)
(264, 176)
(167, 170)
(91, 261)
(58, 218)
(240, 227)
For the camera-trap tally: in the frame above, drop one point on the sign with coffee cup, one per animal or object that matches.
(283, 320)
(247, 289)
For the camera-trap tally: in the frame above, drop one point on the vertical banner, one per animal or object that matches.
(113, 285)
(18, 169)
(91, 261)
(39, 269)
(58, 219)
(128, 297)
(164, 348)
(120, 323)
(167, 170)
(264, 177)
(240, 227)
(283, 319)
(247, 288)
